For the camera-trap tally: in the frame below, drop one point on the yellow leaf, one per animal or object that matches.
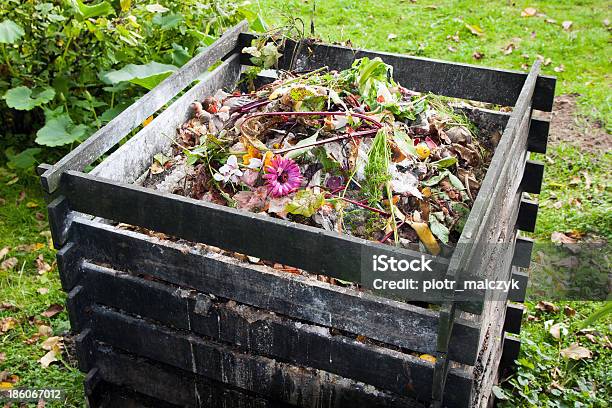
(147, 121)
(426, 237)
(48, 359)
(474, 29)
(428, 357)
(125, 4)
(31, 204)
(4, 385)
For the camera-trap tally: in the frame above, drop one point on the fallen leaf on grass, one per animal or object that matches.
(52, 310)
(561, 238)
(477, 55)
(557, 330)
(567, 25)
(2, 357)
(474, 29)
(42, 291)
(48, 358)
(53, 343)
(507, 50)
(45, 330)
(576, 352)
(452, 49)
(42, 266)
(7, 323)
(560, 68)
(529, 12)
(606, 22)
(547, 306)
(391, 36)
(570, 262)
(4, 251)
(7, 306)
(9, 263)
(31, 204)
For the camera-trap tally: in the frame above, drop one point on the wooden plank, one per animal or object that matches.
(59, 211)
(128, 162)
(522, 252)
(538, 135)
(514, 318)
(532, 177)
(107, 395)
(297, 296)
(305, 247)
(170, 385)
(452, 79)
(272, 379)
(69, 263)
(512, 348)
(262, 333)
(101, 141)
(528, 214)
(518, 295)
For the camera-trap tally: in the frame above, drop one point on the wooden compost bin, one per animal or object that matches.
(162, 323)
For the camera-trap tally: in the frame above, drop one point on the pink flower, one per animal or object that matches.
(282, 176)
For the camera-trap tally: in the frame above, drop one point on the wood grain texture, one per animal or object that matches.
(259, 332)
(132, 117)
(128, 162)
(296, 296)
(457, 80)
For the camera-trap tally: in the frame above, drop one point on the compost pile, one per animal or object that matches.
(350, 151)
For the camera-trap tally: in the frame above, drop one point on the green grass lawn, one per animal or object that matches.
(426, 28)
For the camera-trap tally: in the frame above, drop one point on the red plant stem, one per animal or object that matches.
(388, 235)
(370, 132)
(253, 105)
(376, 123)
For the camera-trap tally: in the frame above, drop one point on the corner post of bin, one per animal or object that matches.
(104, 139)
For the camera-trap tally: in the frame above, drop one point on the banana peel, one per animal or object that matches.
(426, 237)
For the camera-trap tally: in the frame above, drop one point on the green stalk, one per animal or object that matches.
(8, 62)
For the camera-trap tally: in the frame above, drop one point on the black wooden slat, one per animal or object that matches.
(532, 177)
(511, 350)
(291, 295)
(458, 80)
(310, 248)
(107, 395)
(528, 214)
(217, 362)
(259, 332)
(522, 278)
(168, 384)
(538, 135)
(514, 318)
(104, 139)
(59, 210)
(522, 252)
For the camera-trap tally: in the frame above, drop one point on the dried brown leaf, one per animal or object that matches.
(529, 12)
(576, 352)
(547, 307)
(9, 263)
(478, 55)
(561, 238)
(53, 310)
(4, 251)
(7, 323)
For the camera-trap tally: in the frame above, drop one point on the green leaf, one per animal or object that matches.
(147, 75)
(438, 229)
(167, 21)
(499, 393)
(97, 10)
(454, 180)
(10, 32)
(60, 131)
(435, 179)
(313, 103)
(259, 24)
(445, 162)
(24, 160)
(180, 55)
(298, 152)
(404, 143)
(20, 98)
(305, 203)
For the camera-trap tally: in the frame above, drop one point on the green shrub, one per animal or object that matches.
(67, 67)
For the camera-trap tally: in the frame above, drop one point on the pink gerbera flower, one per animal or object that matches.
(282, 176)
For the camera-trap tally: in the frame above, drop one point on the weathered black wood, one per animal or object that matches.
(538, 135)
(527, 216)
(512, 348)
(458, 80)
(220, 363)
(300, 297)
(310, 248)
(169, 384)
(532, 177)
(522, 278)
(101, 141)
(59, 221)
(84, 345)
(68, 262)
(522, 252)
(130, 160)
(483, 228)
(514, 318)
(262, 333)
(107, 395)
(538, 128)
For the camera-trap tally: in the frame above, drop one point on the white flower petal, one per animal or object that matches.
(255, 163)
(218, 176)
(232, 161)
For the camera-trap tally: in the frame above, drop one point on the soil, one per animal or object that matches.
(568, 127)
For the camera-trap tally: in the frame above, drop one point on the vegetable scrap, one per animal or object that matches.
(349, 151)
